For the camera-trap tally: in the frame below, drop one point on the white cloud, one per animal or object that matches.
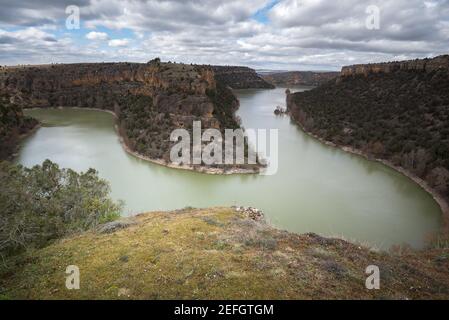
(118, 42)
(299, 34)
(97, 36)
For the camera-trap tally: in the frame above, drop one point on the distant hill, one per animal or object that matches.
(396, 111)
(150, 100)
(293, 78)
(240, 78)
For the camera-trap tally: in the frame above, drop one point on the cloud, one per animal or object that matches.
(97, 36)
(293, 34)
(118, 42)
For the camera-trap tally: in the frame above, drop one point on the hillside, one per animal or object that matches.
(295, 78)
(13, 125)
(240, 78)
(217, 253)
(398, 112)
(150, 100)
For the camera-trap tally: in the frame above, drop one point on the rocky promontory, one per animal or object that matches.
(150, 100)
(218, 253)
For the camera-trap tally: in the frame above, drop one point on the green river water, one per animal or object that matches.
(316, 189)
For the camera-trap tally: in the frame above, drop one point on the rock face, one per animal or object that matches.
(426, 65)
(150, 100)
(240, 78)
(398, 112)
(294, 78)
(220, 253)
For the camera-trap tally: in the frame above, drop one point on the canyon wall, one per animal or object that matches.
(397, 112)
(426, 65)
(240, 78)
(295, 78)
(150, 100)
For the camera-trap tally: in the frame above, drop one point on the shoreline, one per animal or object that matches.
(20, 140)
(201, 169)
(436, 196)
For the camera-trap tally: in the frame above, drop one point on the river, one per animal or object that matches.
(316, 189)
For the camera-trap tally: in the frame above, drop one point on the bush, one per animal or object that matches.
(45, 202)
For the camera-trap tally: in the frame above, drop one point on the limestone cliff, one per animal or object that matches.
(150, 100)
(294, 78)
(425, 65)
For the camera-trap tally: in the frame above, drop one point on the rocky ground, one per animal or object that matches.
(218, 253)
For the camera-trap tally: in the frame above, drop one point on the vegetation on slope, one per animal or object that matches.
(402, 116)
(43, 203)
(240, 78)
(294, 78)
(218, 253)
(13, 125)
(150, 100)
(147, 131)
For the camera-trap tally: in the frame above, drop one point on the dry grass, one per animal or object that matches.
(218, 254)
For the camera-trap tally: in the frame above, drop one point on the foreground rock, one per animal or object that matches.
(219, 253)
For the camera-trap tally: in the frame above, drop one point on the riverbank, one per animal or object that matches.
(161, 162)
(218, 253)
(439, 199)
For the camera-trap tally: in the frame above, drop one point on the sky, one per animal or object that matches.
(262, 34)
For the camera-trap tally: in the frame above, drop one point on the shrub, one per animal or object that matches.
(43, 203)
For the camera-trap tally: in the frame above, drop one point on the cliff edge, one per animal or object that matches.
(218, 253)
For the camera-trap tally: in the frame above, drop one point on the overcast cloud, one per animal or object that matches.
(287, 34)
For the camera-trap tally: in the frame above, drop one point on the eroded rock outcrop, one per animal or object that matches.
(150, 100)
(13, 126)
(304, 78)
(425, 65)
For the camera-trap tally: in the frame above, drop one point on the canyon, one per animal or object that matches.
(149, 100)
(396, 112)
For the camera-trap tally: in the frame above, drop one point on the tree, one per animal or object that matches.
(45, 202)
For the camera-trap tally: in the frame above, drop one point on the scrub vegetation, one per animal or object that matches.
(44, 203)
(218, 253)
(401, 116)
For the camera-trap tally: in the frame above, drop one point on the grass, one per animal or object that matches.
(217, 253)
